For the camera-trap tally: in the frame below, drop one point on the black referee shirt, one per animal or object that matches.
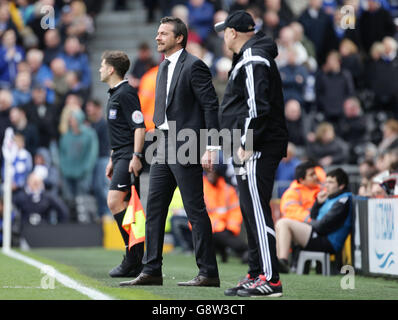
(124, 115)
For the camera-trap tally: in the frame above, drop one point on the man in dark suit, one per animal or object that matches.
(185, 100)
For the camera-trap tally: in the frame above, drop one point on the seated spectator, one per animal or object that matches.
(41, 73)
(22, 93)
(286, 169)
(294, 123)
(374, 23)
(10, 55)
(43, 167)
(215, 40)
(21, 125)
(53, 45)
(333, 85)
(327, 149)
(224, 212)
(351, 61)
(35, 200)
(76, 60)
(42, 115)
(299, 198)
(318, 27)
(271, 26)
(59, 84)
(78, 153)
(331, 221)
(22, 164)
(223, 65)
(82, 25)
(75, 86)
(72, 103)
(6, 22)
(201, 17)
(352, 127)
(142, 64)
(294, 77)
(100, 182)
(310, 52)
(182, 12)
(390, 136)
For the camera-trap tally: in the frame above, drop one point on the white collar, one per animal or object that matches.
(123, 81)
(174, 57)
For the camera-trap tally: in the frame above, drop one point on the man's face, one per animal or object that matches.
(311, 179)
(166, 39)
(228, 38)
(332, 186)
(105, 71)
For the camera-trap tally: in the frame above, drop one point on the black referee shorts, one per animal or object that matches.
(121, 178)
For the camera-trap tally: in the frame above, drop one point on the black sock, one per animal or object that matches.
(119, 220)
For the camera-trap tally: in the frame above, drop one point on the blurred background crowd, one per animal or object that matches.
(338, 63)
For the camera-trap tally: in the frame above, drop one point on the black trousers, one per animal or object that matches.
(255, 191)
(163, 180)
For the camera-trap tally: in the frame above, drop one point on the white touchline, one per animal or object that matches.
(63, 279)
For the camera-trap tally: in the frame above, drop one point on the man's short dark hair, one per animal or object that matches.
(340, 175)
(301, 169)
(117, 59)
(179, 28)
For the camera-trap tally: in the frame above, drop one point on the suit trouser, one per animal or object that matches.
(255, 191)
(164, 178)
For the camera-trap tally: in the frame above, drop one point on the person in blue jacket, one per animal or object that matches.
(331, 221)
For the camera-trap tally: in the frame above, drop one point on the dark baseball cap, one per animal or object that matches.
(240, 20)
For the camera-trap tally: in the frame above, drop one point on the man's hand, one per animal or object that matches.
(244, 155)
(109, 169)
(208, 160)
(321, 196)
(135, 166)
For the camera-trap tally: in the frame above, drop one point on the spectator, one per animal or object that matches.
(182, 12)
(222, 205)
(331, 221)
(78, 153)
(6, 22)
(294, 123)
(309, 47)
(41, 73)
(44, 168)
(76, 60)
(286, 169)
(21, 125)
(318, 27)
(223, 66)
(351, 61)
(271, 26)
(352, 128)
(72, 103)
(22, 92)
(390, 136)
(10, 55)
(100, 183)
(35, 200)
(53, 45)
(381, 76)
(142, 64)
(294, 77)
(299, 198)
(42, 114)
(82, 25)
(201, 17)
(215, 40)
(333, 86)
(75, 86)
(22, 163)
(374, 24)
(59, 84)
(327, 149)
(5, 107)
(239, 5)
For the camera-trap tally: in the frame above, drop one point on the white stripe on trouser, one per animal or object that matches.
(262, 229)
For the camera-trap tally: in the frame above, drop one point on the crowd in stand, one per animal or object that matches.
(339, 71)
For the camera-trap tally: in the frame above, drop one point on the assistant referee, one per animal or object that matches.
(126, 134)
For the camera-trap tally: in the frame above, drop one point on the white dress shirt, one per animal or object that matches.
(173, 62)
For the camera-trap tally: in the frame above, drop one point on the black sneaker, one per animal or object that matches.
(243, 284)
(126, 269)
(262, 288)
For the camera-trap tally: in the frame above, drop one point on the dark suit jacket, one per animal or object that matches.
(192, 99)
